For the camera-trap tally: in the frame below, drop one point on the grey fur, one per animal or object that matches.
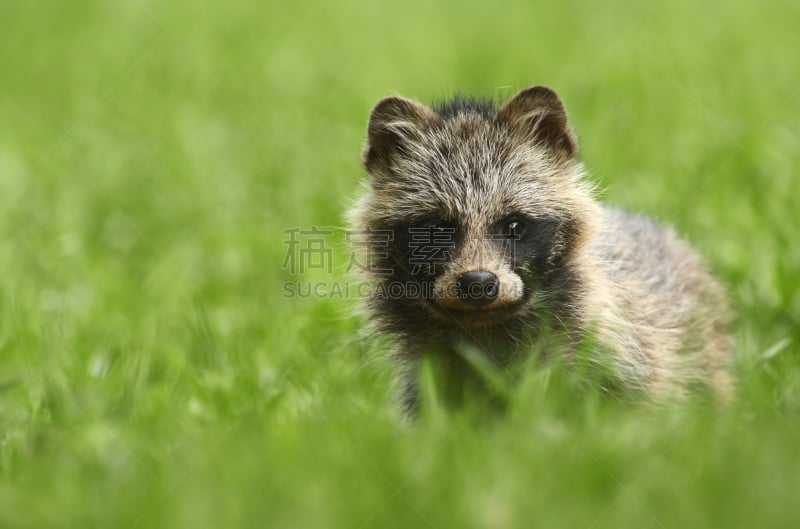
(656, 315)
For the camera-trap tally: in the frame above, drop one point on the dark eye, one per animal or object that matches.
(515, 228)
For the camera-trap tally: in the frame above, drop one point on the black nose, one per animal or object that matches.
(477, 288)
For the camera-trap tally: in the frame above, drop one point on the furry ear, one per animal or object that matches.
(539, 114)
(393, 123)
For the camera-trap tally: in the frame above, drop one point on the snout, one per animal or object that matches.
(477, 288)
(478, 291)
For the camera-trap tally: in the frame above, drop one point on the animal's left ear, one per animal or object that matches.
(539, 114)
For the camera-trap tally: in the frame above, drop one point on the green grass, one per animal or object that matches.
(152, 372)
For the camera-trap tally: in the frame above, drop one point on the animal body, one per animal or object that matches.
(483, 231)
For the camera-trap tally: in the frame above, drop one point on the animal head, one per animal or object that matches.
(481, 206)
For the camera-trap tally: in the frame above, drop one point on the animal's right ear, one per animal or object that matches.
(393, 124)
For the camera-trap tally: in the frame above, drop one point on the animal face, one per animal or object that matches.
(483, 206)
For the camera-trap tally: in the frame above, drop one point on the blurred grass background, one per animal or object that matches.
(152, 372)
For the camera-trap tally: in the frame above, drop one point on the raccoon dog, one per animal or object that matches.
(481, 230)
